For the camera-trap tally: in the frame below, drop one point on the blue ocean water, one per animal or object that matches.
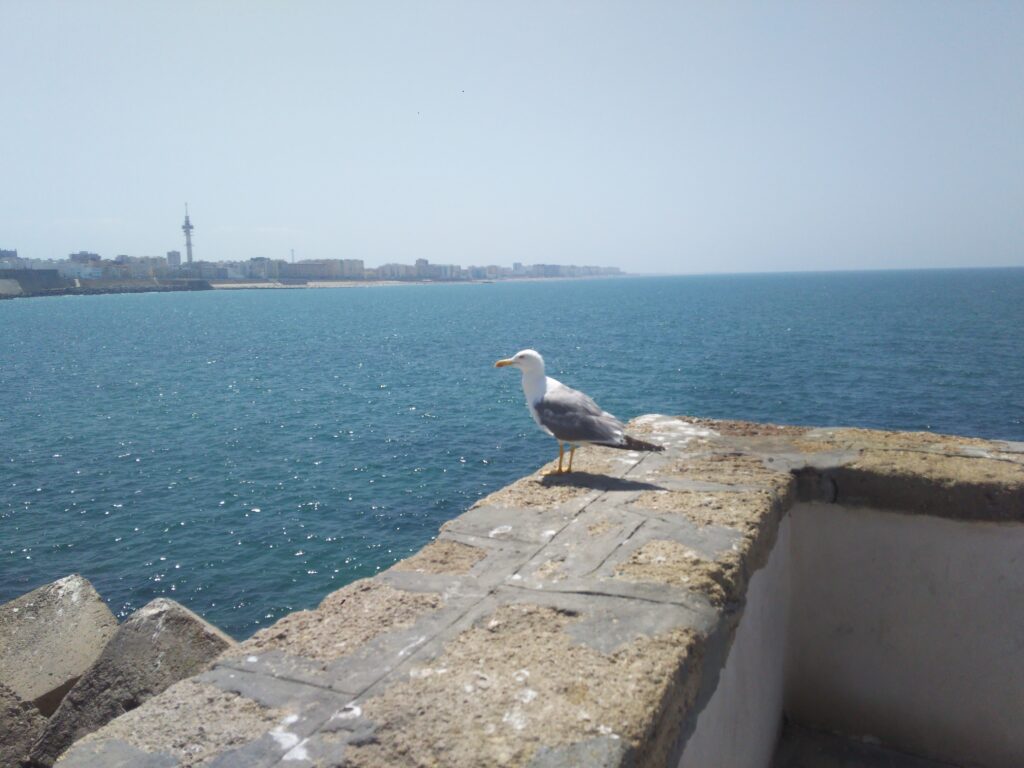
(248, 452)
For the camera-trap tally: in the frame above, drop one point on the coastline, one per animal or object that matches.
(221, 285)
(153, 286)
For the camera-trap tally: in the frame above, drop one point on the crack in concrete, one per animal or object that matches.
(617, 596)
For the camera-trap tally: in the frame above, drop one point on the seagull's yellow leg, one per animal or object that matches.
(572, 450)
(561, 452)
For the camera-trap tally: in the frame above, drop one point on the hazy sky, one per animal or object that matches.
(659, 137)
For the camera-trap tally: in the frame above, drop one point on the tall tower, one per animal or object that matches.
(187, 229)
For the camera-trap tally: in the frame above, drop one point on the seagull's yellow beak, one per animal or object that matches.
(503, 363)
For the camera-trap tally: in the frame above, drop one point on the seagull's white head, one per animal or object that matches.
(527, 361)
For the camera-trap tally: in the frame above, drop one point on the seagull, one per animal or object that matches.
(567, 414)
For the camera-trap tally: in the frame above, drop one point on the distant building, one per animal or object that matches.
(307, 270)
(209, 270)
(352, 268)
(396, 272)
(9, 260)
(447, 271)
(81, 270)
(141, 267)
(262, 268)
(84, 257)
(174, 259)
(547, 270)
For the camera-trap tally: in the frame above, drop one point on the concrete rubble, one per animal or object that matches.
(579, 619)
(50, 637)
(158, 645)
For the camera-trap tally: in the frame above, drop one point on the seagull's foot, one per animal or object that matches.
(551, 472)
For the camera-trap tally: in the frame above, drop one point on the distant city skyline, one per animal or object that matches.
(661, 137)
(89, 266)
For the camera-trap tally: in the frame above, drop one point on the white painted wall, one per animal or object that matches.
(740, 724)
(909, 629)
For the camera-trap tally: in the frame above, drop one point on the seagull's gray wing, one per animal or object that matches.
(572, 417)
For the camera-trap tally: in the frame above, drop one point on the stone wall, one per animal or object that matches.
(632, 613)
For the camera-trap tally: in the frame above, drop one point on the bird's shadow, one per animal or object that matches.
(597, 482)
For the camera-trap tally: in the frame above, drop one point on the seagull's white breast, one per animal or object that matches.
(534, 387)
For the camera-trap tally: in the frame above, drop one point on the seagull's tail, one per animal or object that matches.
(633, 444)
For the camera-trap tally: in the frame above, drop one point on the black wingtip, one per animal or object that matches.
(634, 444)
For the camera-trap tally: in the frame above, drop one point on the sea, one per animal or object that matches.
(247, 452)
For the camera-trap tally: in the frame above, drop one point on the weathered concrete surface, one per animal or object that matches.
(581, 619)
(158, 645)
(49, 637)
(20, 725)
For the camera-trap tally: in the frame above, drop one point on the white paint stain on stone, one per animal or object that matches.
(348, 712)
(298, 752)
(501, 530)
(408, 649)
(284, 739)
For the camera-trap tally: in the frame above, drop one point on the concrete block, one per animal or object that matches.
(20, 725)
(157, 646)
(50, 637)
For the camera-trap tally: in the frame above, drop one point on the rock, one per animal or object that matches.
(160, 644)
(20, 725)
(49, 637)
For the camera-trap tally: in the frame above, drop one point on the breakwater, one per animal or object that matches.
(786, 583)
(25, 283)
